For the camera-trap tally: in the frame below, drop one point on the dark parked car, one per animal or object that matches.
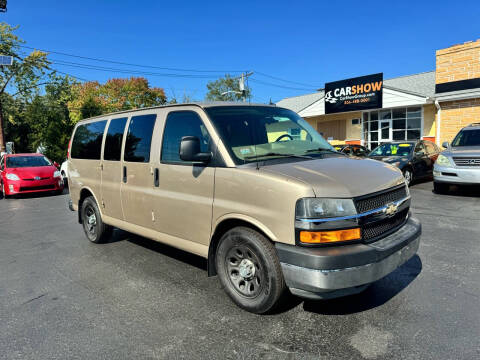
(353, 150)
(414, 158)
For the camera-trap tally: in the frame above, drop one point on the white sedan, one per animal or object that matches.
(64, 173)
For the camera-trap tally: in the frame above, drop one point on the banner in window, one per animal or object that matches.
(360, 93)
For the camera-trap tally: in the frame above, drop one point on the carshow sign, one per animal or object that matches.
(360, 93)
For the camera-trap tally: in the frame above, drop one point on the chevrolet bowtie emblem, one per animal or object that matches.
(391, 209)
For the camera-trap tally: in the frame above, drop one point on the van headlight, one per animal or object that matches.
(317, 208)
(442, 160)
(12, 177)
(57, 174)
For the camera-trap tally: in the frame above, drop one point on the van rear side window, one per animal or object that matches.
(113, 141)
(139, 138)
(87, 141)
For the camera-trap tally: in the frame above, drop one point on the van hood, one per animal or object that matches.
(341, 177)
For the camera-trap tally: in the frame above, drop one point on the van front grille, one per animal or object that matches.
(375, 201)
(464, 161)
(373, 231)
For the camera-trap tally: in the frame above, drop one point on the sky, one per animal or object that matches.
(292, 47)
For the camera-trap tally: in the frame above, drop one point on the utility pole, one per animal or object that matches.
(243, 78)
(241, 85)
(4, 61)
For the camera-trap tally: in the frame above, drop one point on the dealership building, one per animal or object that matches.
(369, 110)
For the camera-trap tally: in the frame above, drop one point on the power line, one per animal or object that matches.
(129, 71)
(281, 86)
(167, 68)
(73, 76)
(131, 64)
(287, 81)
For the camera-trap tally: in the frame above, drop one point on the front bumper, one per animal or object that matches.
(456, 175)
(13, 187)
(329, 272)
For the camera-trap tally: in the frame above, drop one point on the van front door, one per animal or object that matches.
(136, 172)
(183, 191)
(112, 169)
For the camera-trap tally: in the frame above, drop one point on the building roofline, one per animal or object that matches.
(402, 76)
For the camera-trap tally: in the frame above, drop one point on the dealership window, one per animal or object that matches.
(387, 125)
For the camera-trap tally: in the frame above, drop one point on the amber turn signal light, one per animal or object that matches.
(325, 237)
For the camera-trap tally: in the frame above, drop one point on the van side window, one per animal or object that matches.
(113, 141)
(139, 138)
(178, 125)
(87, 141)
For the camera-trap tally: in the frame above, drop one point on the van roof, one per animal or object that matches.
(199, 104)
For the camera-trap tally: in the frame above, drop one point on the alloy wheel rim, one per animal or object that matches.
(244, 271)
(408, 176)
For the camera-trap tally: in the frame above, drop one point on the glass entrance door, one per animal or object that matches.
(385, 130)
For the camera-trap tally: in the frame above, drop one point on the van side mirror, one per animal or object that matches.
(190, 150)
(445, 144)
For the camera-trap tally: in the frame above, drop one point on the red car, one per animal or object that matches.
(28, 173)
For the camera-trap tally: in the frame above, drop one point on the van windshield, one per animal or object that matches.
(467, 138)
(253, 133)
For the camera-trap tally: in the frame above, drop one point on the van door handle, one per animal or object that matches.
(156, 180)
(124, 174)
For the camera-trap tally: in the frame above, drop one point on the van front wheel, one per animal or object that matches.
(249, 270)
(95, 229)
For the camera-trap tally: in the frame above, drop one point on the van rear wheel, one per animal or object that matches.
(95, 229)
(249, 270)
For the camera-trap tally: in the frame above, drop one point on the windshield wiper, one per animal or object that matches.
(277, 154)
(322, 150)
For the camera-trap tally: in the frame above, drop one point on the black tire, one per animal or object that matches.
(5, 196)
(95, 229)
(65, 180)
(440, 188)
(249, 270)
(408, 175)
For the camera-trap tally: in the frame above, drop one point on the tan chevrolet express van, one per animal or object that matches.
(252, 188)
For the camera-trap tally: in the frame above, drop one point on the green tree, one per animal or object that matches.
(49, 118)
(23, 76)
(92, 98)
(226, 89)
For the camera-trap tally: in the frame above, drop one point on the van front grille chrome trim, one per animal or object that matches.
(381, 210)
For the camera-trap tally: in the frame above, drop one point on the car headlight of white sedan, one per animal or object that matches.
(442, 160)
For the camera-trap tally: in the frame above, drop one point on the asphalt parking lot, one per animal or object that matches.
(63, 297)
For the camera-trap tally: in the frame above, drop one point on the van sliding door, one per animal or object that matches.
(136, 171)
(112, 168)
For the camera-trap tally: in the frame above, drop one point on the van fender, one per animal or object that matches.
(215, 236)
(96, 200)
(245, 218)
